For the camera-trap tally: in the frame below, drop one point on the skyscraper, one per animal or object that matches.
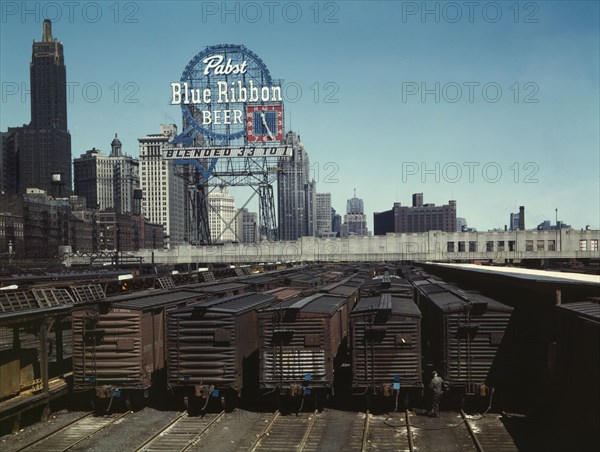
(355, 220)
(221, 214)
(45, 153)
(323, 209)
(164, 192)
(296, 193)
(247, 226)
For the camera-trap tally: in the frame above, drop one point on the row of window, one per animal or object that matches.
(530, 245)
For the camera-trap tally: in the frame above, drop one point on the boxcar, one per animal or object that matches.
(119, 345)
(301, 342)
(462, 333)
(213, 349)
(386, 346)
(576, 369)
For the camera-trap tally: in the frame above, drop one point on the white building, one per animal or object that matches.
(221, 215)
(164, 195)
(323, 214)
(107, 181)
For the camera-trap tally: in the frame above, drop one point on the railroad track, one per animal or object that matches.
(377, 432)
(74, 433)
(286, 433)
(181, 434)
(488, 433)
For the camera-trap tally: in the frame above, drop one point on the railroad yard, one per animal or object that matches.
(306, 358)
(242, 430)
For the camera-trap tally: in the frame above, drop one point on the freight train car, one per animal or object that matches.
(575, 369)
(462, 334)
(213, 349)
(386, 347)
(302, 342)
(119, 345)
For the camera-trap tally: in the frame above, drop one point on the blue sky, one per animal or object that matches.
(536, 142)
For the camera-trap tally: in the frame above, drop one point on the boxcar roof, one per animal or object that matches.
(284, 293)
(220, 287)
(450, 298)
(320, 303)
(399, 305)
(346, 286)
(157, 299)
(235, 304)
(586, 309)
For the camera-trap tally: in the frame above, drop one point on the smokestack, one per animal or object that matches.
(522, 218)
(47, 36)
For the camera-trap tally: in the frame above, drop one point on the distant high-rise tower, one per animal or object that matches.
(355, 205)
(221, 214)
(323, 209)
(164, 192)
(247, 226)
(355, 220)
(296, 193)
(45, 154)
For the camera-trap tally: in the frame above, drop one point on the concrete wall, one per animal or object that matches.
(432, 245)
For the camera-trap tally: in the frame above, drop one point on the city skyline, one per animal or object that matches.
(553, 61)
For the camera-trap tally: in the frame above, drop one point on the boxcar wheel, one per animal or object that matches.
(186, 403)
(223, 402)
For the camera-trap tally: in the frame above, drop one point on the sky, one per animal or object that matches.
(492, 104)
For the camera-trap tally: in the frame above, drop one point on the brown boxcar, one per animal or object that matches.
(301, 341)
(576, 369)
(213, 348)
(462, 333)
(119, 346)
(386, 346)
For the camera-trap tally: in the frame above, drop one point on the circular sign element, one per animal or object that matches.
(216, 87)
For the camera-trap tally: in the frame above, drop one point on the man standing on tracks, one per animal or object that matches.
(437, 386)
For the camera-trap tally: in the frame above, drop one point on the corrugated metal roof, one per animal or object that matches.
(222, 287)
(319, 303)
(155, 300)
(236, 304)
(284, 293)
(450, 298)
(400, 306)
(587, 309)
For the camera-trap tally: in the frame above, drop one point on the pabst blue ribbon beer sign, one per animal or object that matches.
(226, 93)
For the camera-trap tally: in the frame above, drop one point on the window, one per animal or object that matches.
(583, 245)
(500, 245)
(472, 247)
(540, 245)
(551, 245)
(461, 247)
(529, 245)
(594, 245)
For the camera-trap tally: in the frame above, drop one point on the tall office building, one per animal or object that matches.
(355, 220)
(163, 191)
(221, 214)
(323, 213)
(45, 150)
(247, 226)
(107, 181)
(296, 193)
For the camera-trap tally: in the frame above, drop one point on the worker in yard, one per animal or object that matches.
(437, 386)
